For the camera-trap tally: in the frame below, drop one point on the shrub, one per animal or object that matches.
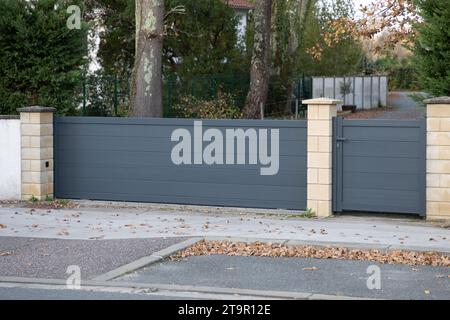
(41, 60)
(222, 107)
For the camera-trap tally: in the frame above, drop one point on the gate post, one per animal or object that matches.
(37, 152)
(438, 158)
(320, 154)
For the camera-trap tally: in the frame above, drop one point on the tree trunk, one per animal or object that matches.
(260, 69)
(301, 10)
(146, 90)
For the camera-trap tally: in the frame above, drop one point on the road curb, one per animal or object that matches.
(145, 261)
(22, 282)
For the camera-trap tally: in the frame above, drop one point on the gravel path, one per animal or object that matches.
(405, 107)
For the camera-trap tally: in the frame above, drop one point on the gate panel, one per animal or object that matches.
(379, 166)
(130, 160)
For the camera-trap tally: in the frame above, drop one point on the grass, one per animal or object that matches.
(305, 215)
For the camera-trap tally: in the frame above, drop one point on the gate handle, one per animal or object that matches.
(341, 139)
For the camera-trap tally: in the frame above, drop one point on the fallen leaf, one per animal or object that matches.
(4, 254)
(310, 269)
(2, 226)
(34, 225)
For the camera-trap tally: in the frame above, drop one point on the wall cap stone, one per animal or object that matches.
(322, 101)
(9, 117)
(36, 109)
(438, 100)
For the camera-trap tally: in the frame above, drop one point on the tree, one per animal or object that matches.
(146, 86)
(317, 56)
(203, 39)
(260, 68)
(432, 47)
(290, 20)
(42, 59)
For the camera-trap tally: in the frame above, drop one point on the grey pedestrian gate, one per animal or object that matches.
(130, 160)
(379, 166)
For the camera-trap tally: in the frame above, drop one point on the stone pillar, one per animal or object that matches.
(37, 152)
(320, 155)
(438, 158)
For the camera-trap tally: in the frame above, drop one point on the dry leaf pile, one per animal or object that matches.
(55, 204)
(258, 249)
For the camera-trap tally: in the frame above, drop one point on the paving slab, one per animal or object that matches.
(316, 276)
(49, 258)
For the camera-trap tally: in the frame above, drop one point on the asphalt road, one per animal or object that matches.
(49, 258)
(332, 277)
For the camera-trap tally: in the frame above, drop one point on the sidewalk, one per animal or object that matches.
(146, 223)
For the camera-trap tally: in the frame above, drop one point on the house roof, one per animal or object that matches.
(240, 4)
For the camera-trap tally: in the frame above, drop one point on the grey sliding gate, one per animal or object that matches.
(130, 160)
(379, 166)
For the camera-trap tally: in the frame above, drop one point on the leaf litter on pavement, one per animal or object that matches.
(259, 249)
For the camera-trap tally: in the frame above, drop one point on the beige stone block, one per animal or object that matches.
(26, 165)
(313, 205)
(438, 111)
(31, 153)
(31, 189)
(40, 117)
(325, 209)
(433, 124)
(50, 165)
(444, 152)
(438, 194)
(327, 112)
(438, 138)
(438, 166)
(24, 117)
(47, 189)
(46, 153)
(432, 218)
(325, 144)
(444, 209)
(432, 208)
(31, 177)
(47, 141)
(35, 142)
(444, 181)
(30, 129)
(313, 144)
(313, 112)
(325, 176)
(444, 124)
(313, 176)
(320, 128)
(319, 160)
(36, 165)
(433, 152)
(46, 129)
(433, 180)
(46, 177)
(319, 192)
(26, 141)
